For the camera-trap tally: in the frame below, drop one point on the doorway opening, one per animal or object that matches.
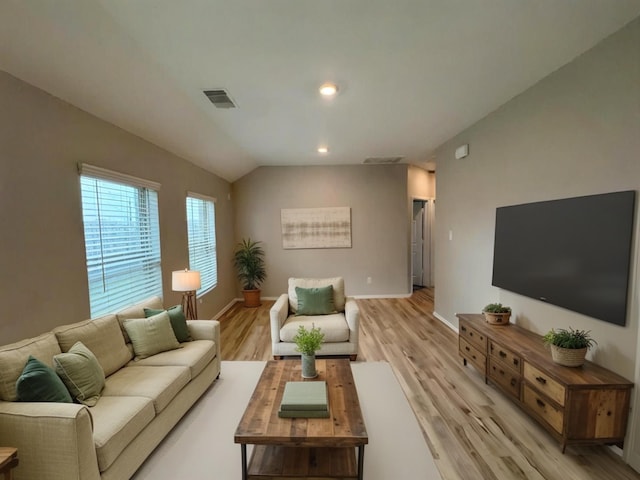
(421, 243)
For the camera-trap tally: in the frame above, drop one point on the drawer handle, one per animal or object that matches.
(467, 349)
(473, 356)
(540, 403)
(501, 372)
(513, 382)
(515, 361)
(464, 329)
(502, 354)
(471, 334)
(541, 380)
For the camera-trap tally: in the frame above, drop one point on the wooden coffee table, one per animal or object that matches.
(295, 448)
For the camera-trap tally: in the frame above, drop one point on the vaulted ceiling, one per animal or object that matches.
(411, 73)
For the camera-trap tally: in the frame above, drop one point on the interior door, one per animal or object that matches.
(417, 243)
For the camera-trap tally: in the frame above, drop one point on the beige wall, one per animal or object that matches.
(577, 132)
(43, 279)
(377, 196)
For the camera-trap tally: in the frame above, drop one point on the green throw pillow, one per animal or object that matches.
(81, 372)
(178, 321)
(151, 335)
(315, 301)
(39, 383)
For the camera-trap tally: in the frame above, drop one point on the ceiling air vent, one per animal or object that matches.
(220, 98)
(382, 160)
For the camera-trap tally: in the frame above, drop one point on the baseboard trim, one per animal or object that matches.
(226, 307)
(445, 321)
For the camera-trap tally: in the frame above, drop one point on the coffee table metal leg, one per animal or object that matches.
(360, 461)
(243, 452)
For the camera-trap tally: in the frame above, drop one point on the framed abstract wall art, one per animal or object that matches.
(328, 227)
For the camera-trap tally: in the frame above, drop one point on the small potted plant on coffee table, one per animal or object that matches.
(497, 314)
(569, 347)
(308, 342)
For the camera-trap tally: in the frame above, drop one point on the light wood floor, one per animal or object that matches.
(473, 431)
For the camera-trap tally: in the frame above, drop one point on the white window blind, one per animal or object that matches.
(201, 228)
(122, 239)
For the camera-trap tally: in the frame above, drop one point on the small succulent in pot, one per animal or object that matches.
(496, 308)
(497, 314)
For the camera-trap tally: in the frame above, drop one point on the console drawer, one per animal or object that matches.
(505, 377)
(543, 408)
(473, 355)
(542, 382)
(505, 356)
(473, 336)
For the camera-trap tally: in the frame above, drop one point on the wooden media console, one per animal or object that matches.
(582, 405)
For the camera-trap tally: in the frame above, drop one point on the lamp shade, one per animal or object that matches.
(185, 280)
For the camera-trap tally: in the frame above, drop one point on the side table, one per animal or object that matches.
(8, 461)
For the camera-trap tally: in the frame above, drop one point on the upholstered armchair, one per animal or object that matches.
(318, 302)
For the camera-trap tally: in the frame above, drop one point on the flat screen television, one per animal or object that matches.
(574, 252)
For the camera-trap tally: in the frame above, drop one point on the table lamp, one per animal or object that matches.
(187, 281)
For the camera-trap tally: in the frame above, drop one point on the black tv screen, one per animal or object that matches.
(574, 252)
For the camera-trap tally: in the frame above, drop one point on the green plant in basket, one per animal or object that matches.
(571, 339)
(308, 341)
(496, 308)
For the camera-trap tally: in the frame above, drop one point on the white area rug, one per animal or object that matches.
(201, 446)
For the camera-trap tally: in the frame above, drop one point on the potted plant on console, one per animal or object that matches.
(308, 342)
(569, 347)
(249, 262)
(497, 314)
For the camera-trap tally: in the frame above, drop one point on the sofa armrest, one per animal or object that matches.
(50, 434)
(277, 315)
(205, 330)
(352, 315)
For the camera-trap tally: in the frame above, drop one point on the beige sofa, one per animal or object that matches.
(141, 402)
(340, 327)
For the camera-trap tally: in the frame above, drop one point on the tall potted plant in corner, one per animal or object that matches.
(307, 343)
(249, 262)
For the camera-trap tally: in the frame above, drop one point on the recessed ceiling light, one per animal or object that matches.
(328, 89)
(323, 150)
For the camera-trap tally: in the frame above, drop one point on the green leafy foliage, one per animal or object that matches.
(308, 341)
(571, 338)
(249, 262)
(496, 308)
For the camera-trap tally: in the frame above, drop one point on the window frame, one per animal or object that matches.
(206, 274)
(122, 268)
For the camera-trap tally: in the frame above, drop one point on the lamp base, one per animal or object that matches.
(189, 305)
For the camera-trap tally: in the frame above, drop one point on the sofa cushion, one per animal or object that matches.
(137, 311)
(81, 372)
(315, 301)
(178, 321)
(160, 384)
(116, 422)
(13, 358)
(333, 326)
(100, 335)
(151, 335)
(40, 383)
(195, 355)
(336, 282)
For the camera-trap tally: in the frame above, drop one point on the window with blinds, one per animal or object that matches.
(201, 227)
(122, 239)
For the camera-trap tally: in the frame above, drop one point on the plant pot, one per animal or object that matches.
(251, 298)
(497, 318)
(309, 366)
(569, 357)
